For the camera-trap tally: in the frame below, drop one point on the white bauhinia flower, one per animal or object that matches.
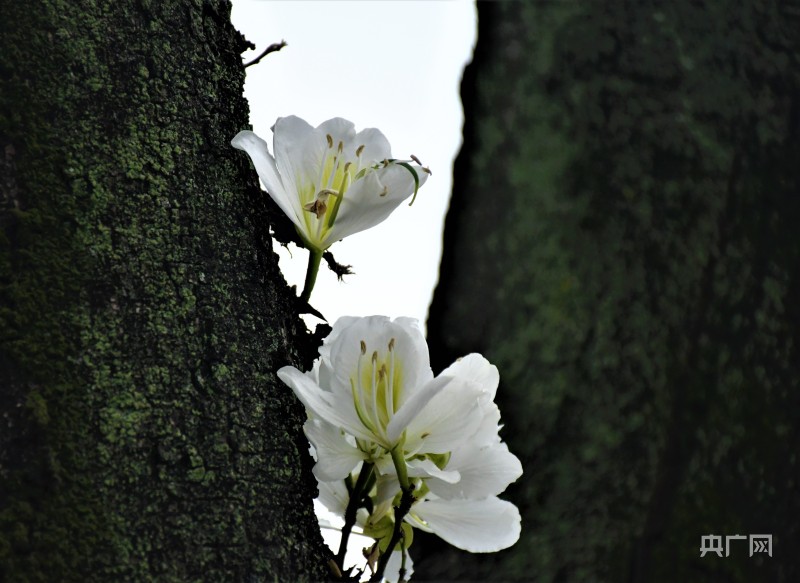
(372, 391)
(331, 181)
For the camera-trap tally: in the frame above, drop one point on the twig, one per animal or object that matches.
(273, 48)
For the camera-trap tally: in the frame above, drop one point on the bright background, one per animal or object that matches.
(395, 66)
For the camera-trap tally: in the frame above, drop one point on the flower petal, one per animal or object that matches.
(478, 526)
(411, 409)
(367, 204)
(478, 370)
(427, 469)
(334, 496)
(376, 146)
(410, 349)
(336, 456)
(484, 472)
(323, 404)
(299, 150)
(258, 150)
(448, 419)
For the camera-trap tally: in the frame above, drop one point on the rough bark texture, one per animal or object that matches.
(144, 435)
(623, 244)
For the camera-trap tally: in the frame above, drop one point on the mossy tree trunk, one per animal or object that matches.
(623, 244)
(144, 435)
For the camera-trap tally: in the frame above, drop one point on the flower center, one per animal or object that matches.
(324, 197)
(377, 388)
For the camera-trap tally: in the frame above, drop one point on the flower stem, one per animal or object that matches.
(350, 512)
(400, 511)
(314, 259)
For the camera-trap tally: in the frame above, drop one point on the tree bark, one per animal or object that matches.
(144, 434)
(623, 244)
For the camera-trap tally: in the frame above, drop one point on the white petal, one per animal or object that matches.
(392, 572)
(336, 456)
(366, 203)
(447, 420)
(487, 432)
(376, 146)
(267, 171)
(334, 496)
(478, 526)
(476, 369)
(299, 150)
(484, 472)
(324, 404)
(340, 130)
(427, 469)
(410, 348)
(411, 409)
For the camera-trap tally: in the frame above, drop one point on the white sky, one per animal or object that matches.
(393, 65)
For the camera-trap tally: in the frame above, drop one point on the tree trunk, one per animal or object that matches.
(142, 313)
(623, 244)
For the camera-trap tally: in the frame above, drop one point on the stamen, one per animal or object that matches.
(330, 140)
(359, 150)
(363, 347)
(390, 397)
(375, 391)
(347, 166)
(413, 157)
(341, 147)
(384, 191)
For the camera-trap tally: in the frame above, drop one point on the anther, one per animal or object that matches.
(375, 357)
(318, 207)
(359, 150)
(427, 170)
(413, 157)
(330, 140)
(341, 147)
(363, 347)
(347, 167)
(391, 344)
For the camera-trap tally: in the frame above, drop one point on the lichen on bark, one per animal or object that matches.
(145, 436)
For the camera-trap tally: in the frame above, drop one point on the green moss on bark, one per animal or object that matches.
(622, 244)
(142, 311)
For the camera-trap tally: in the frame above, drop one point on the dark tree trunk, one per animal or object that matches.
(623, 244)
(144, 435)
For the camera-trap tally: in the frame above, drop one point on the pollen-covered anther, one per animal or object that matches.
(341, 147)
(413, 157)
(347, 167)
(359, 150)
(391, 344)
(384, 192)
(330, 140)
(374, 357)
(319, 205)
(363, 347)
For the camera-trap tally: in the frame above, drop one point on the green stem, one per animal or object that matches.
(400, 511)
(356, 496)
(314, 259)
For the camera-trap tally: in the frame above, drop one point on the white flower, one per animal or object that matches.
(372, 390)
(330, 181)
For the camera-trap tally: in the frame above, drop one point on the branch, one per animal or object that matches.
(273, 48)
